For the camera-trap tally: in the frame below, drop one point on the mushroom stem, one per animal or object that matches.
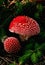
(23, 37)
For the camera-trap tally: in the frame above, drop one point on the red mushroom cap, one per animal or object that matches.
(11, 45)
(24, 25)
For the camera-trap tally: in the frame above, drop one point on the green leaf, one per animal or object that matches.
(25, 57)
(19, 7)
(11, 64)
(1, 2)
(39, 53)
(39, 7)
(34, 58)
(36, 15)
(42, 34)
(28, 46)
(36, 46)
(8, 19)
(2, 33)
(41, 47)
(14, 63)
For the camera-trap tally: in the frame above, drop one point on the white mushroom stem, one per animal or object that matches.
(23, 37)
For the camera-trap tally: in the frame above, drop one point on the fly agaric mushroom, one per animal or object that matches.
(11, 45)
(24, 26)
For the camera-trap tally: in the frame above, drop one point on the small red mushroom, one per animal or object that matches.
(11, 45)
(24, 26)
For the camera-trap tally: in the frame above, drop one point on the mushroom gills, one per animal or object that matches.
(23, 37)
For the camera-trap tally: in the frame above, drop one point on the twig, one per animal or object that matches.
(3, 63)
(11, 3)
(9, 60)
(0, 62)
(4, 59)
